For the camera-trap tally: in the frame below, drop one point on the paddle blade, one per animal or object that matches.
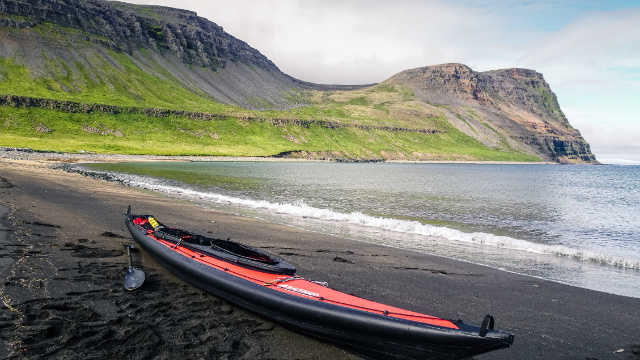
(133, 279)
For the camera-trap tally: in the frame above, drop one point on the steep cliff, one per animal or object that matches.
(512, 105)
(77, 45)
(127, 28)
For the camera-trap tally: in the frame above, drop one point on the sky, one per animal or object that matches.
(587, 50)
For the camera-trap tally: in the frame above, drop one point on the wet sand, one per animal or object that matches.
(62, 265)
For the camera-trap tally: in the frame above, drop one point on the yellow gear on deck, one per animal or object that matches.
(153, 222)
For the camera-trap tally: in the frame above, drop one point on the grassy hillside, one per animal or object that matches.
(117, 81)
(380, 122)
(230, 136)
(375, 123)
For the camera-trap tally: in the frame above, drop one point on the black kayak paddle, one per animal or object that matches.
(134, 278)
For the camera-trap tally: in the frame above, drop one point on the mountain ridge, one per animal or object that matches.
(97, 52)
(188, 49)
(517, 102)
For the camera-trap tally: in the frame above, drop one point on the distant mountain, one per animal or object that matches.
(152, 57)
(516, 105)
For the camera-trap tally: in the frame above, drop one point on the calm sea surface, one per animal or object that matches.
(577, 225)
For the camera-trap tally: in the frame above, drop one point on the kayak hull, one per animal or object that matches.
(355, 324)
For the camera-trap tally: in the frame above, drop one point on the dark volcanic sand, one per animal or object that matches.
(62, 265)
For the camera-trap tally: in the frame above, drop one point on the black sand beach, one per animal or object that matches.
(62, 264)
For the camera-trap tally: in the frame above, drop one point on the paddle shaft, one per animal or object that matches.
(129, 255)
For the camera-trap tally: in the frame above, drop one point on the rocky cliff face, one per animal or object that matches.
(127, 27)
(76, 39)
(511, 107)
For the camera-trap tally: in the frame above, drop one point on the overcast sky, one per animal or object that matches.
(587, 50)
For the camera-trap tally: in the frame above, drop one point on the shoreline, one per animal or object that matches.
(556, 256)
(71, 262)
(29, 154)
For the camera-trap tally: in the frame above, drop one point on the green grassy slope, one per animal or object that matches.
(122, 83)
(382, 122)
(59, 131)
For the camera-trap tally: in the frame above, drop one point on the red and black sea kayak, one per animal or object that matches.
(269, 287)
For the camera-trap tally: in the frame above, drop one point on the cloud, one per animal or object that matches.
(614, 144)
(353, 41)
(613, 139)
(599, 40)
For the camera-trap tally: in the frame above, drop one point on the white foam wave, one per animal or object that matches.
(395, 225)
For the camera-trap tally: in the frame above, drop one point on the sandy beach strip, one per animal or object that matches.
(62, 265)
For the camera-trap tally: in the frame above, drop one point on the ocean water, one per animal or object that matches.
(577, 225)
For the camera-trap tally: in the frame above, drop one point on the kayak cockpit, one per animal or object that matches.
(224, 249)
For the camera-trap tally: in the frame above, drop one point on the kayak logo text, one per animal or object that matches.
(298, 290)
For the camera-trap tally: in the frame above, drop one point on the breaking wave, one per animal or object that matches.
(395, 225)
